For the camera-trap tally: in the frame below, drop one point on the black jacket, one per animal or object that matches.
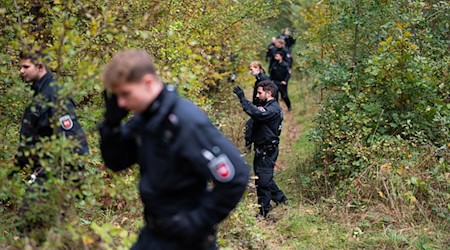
(287, 57)
(267, 122)
(290, 41)
(179, 152)
(45, 117)
(280, 72)
(269, 52)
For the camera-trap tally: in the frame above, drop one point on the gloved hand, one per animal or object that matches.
(239, 92)
(113, 114)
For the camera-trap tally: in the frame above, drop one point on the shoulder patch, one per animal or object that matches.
(261, 109)
(66, 122)
(222, 169)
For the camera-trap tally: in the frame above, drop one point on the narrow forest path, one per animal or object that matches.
(299, 225)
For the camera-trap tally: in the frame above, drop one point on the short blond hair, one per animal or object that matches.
(128, 66)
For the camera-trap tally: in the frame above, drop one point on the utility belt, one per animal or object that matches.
(268, 148)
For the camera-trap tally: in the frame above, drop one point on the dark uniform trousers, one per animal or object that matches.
(283, 88)
(150, 238)
(267, 189)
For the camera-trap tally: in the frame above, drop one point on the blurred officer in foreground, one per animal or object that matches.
(46, 115)
(191, 175)
(267, 122)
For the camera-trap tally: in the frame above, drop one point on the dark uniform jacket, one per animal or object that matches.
(179, 151)
(267, 122)
(290, 41)
(287, 57)
(269, 52)
(45, 117)
(280, 72)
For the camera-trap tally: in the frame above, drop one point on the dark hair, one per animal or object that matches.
(34, 54)
(268, 85)
(278, 52)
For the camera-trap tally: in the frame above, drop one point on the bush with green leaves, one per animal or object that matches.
(383, 66)
(196, 45)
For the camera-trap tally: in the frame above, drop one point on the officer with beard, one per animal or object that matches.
(266, 132)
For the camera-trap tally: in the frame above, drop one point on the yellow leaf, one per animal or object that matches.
(399, 26)
(381, 194)
(407, 34)
(88, 240)
(389, 39)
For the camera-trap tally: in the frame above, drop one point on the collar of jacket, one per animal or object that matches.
(39, 85)
(259, 76)
(160, 108)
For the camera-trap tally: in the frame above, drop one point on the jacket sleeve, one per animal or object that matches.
(257, 113)
(209, 151)
(286, 73)
(118, 148)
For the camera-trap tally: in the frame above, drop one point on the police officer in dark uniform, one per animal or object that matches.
(45, 116)
(266, 136)
(191, 175)
(280, 47)
(280, 75)
(286, 36)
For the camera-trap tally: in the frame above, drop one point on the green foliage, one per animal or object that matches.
(196, 45)
(384, 68)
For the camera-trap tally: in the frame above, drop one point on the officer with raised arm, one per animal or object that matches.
(266, 130)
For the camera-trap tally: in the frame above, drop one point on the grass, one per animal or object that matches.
(305, 224)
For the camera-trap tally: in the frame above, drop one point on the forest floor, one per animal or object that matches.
(304, 224)
(299, 225)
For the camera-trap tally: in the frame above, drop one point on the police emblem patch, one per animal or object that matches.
(261, 109)
(66, 122)
(221, 168)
